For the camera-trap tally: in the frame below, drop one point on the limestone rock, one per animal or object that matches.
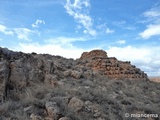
(76, 74)
(35, 117)
(64, 118)
(51, 80)
(93, 108)
(53, 110)
(67, 73)
(73, 73)
(76, 104)
(26, 109)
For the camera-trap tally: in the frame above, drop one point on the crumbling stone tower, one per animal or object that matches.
(111, 67)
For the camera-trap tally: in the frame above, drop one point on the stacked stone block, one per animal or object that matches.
(111, 67)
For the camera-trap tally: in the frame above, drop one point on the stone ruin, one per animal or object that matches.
(111, 67)
(93, 54)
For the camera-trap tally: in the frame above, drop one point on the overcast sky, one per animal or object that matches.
(126, 29)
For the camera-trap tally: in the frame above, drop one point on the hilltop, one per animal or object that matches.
(93, 87)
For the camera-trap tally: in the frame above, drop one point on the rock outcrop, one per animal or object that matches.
(18, 70)
(111, 67)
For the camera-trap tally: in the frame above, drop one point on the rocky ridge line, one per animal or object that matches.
(18, 70)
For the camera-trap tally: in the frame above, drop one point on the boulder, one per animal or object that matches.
(76, 104)
(35, 117)
(76, 74)
(51, 80)
(93, 108)
(67, 73)
(53, 111)
(73, 73)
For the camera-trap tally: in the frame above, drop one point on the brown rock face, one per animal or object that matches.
(111, 67)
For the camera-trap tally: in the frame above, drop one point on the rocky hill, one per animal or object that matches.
(93, 87)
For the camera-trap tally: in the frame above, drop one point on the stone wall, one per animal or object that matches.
(111, 67)
(93, 54)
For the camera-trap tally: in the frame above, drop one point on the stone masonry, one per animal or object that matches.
(111, 67)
